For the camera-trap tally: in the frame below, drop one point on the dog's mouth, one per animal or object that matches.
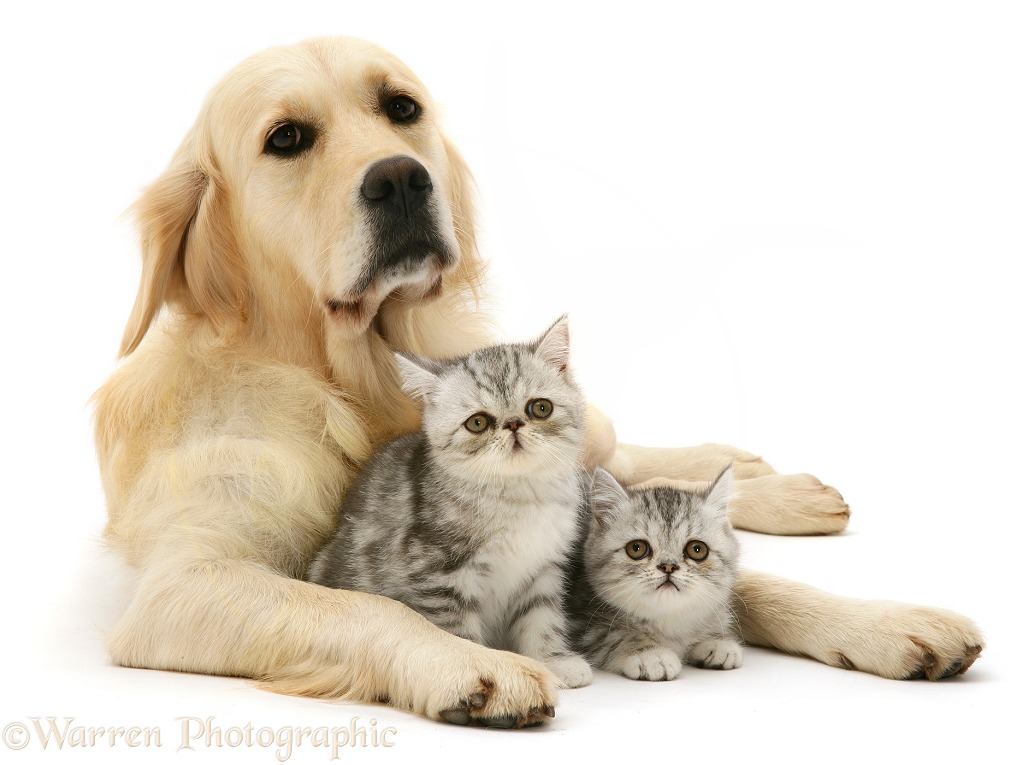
(361, 310)
(349, 309)
(411, 277)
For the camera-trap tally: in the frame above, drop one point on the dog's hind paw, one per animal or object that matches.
(788, 504)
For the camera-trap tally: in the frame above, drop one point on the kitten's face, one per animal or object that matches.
(660, 551)
(506, 411)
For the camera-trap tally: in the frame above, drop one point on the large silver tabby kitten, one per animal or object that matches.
(471, 521)
(652, 584)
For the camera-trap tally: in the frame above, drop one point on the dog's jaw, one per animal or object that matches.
(353, 315)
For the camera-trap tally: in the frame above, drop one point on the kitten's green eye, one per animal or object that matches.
(540, 408)
(637, 549)
(478, 423)
(696, 550)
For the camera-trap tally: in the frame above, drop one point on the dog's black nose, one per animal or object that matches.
(399, 185)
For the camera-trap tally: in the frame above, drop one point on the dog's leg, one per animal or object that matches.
(769, 504)
(238, 617)
(764, 501)
(894, 640)
(222, 526)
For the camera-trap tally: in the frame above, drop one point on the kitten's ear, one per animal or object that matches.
(554, 346)
(418, 374)
(721, 490)
(606, 497)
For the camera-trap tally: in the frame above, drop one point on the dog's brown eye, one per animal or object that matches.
(539, 408)
(637, 549)
(288, 139)
(402, 109)
(696, 550)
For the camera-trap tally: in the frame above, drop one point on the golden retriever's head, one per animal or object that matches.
(316, 170)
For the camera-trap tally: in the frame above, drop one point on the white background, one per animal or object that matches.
(796, 228)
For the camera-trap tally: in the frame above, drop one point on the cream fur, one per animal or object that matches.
(244, 409)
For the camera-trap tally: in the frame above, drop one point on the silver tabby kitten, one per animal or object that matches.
(652, 583)
(470, 521)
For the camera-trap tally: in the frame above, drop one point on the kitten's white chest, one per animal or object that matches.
(538, 535)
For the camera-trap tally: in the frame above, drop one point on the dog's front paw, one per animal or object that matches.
(651, 664)
(496, 689)
(908, 642)
(571, 669)
(716, 654)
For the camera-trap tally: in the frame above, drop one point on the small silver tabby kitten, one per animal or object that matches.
(471, 521)
(652, 583)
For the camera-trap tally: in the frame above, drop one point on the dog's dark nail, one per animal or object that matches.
(506, 722)
(457, 716)
(549, 711)
(477, 700)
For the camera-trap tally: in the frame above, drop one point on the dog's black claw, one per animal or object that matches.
(549, 711)
(506, 721)
(477, 700)
(917, 674)
(456, 716)
(952, 669)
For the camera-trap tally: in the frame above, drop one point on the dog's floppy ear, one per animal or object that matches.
(190, 254)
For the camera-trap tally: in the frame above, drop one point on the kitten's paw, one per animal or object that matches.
(788, 504)
(908, 642)
(716, 654)
(571, 669)
(651, 664)
(496, 689)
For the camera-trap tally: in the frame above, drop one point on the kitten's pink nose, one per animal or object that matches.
(667, 567)
(514, 424)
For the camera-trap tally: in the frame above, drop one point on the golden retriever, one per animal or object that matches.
(313, 219)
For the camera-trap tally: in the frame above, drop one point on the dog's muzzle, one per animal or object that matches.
(402, 211)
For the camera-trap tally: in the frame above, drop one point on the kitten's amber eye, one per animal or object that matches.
(637, 549)
(696, 550)
(478, 423)
(540, 408)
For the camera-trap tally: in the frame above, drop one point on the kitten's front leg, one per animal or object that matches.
(639, 658)
(537, 628)
(716, 653)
